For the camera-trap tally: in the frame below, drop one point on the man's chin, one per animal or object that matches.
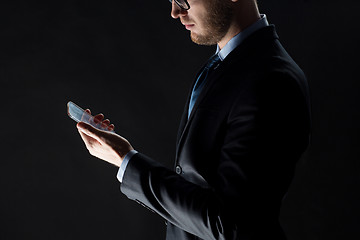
(202, 40)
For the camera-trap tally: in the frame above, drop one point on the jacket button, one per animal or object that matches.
(178, 169)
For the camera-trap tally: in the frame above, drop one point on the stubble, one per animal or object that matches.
(216, 23)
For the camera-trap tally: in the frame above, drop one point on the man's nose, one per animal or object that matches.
(176, 11)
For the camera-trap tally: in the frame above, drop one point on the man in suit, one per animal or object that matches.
(245, 125)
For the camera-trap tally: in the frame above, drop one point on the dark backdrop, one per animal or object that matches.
(131, 61)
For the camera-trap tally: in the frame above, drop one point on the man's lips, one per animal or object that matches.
(188, 26)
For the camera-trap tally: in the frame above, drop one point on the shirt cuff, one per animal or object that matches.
(124, 163)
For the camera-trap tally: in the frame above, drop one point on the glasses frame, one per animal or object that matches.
(186, 7)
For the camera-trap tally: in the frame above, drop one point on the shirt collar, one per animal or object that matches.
(240, 37)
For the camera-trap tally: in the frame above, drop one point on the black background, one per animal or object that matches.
(132, 62)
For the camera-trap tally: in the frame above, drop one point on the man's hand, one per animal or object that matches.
(105, 145)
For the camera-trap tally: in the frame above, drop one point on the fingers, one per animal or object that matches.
(89, 131)
(99, 122)
(111, 127)
(107, 126)
(98, 118)
(105, 123)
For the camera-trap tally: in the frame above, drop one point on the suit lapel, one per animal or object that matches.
(184, 117)
(185, 123)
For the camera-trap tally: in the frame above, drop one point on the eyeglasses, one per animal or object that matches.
(183, 4)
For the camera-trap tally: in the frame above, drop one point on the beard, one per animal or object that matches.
(216, 23)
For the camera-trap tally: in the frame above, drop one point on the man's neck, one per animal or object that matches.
(243, 18)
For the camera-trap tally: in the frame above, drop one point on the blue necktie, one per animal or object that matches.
(200, 82)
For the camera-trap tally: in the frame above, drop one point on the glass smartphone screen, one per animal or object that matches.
(79, 115)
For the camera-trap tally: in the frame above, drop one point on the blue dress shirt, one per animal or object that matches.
(230, 46)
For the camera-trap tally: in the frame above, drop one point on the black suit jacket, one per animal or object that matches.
(237, 151)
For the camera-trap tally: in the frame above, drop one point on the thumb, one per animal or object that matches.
(89, 130)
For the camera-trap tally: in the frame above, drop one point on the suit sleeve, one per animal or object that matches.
(252, 140)
(186, 205)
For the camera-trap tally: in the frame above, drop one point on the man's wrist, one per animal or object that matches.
(124, 164)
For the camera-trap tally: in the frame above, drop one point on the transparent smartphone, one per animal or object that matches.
(79, 115)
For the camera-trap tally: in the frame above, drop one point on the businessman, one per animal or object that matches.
(245, 125)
